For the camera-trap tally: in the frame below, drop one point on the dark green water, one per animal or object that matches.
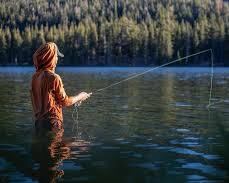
(154, 128)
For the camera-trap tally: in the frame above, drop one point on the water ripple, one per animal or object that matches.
(184, 151)
(195, 178)
(110, 147)
(146, 145)
(69, 165)
(182, 104)
(146, 165)
(191, 152)
(208, 169)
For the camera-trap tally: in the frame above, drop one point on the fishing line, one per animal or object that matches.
(75, 117)
(213, 103)
(76, 106)
(154, 68)
(211, 82)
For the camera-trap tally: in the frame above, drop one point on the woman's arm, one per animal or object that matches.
(62, 98)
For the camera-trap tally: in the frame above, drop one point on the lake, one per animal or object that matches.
(154, 128)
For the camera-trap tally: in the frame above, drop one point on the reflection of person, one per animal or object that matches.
(47, 91)
(49, 151)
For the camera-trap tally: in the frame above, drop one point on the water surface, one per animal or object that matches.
(155, 128)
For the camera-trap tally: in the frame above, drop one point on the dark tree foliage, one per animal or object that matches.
(115, 32)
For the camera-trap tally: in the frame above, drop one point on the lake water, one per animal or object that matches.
(154, 128)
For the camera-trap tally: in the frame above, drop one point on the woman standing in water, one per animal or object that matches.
(47, 91)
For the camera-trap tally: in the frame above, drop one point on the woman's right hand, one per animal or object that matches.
(83, 96)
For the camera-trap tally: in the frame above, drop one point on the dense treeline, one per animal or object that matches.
(115, 32)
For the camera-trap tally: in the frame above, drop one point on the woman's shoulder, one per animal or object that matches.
(51, 76)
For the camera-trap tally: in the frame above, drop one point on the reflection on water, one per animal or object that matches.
(155, 128)
(48, 152)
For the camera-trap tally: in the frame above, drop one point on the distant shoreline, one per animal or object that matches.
(172, 65)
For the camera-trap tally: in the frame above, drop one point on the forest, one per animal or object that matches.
(115, 32)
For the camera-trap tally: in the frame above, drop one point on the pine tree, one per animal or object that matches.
(144, 35)
(16, 45)
(27, 45)
(102, 43)
(3, 46)
(122, 29)
(92, 39)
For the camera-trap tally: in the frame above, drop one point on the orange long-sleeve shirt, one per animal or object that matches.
(48, 96)
(47, 90)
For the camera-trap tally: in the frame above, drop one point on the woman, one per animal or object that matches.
(47, 91)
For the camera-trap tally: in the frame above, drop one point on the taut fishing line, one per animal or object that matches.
(154, 68)
(76, 106)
